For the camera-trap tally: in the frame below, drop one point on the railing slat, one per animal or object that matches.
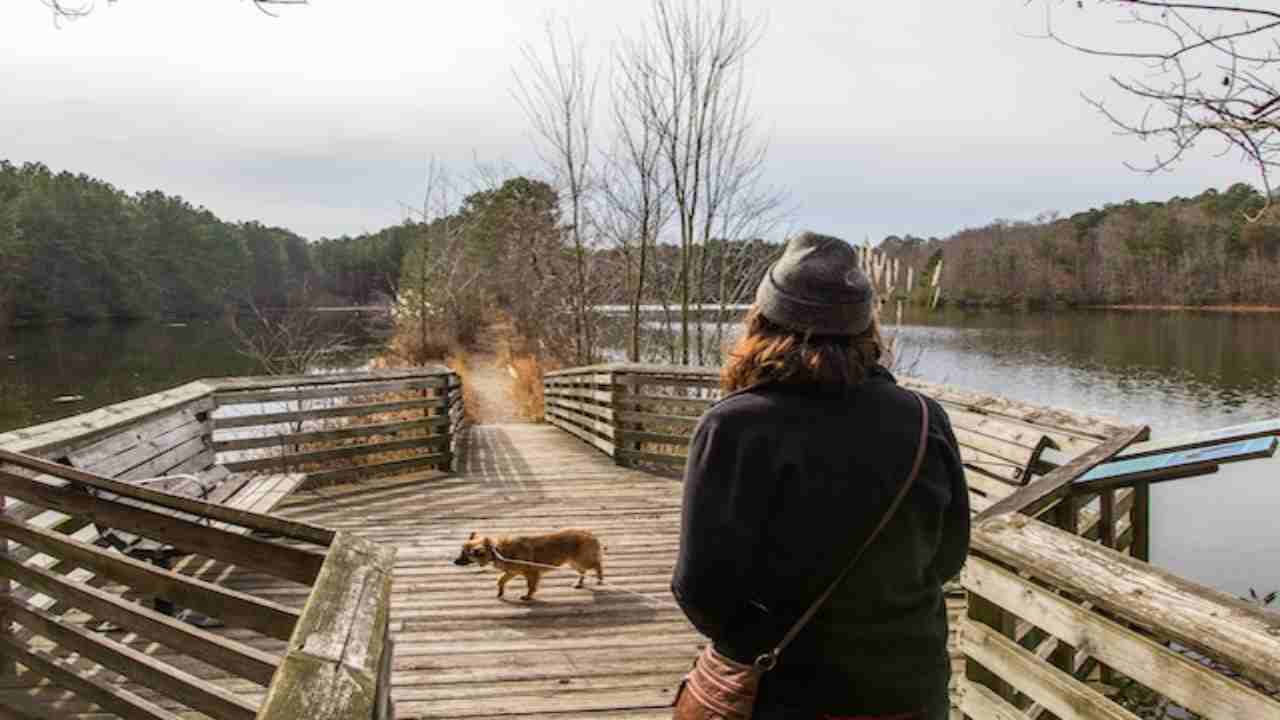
(292, 460)
(253, 521)
(239, 421)
(284, 561)
(234, 657)
(240, 397)
(1187, 683)
(1057, 691)
(979, 703)
(109, 696)
(1171, 607)
(300, 438)
(159, 676)
(235, 608)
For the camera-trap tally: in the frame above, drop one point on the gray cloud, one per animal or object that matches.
(884, 118)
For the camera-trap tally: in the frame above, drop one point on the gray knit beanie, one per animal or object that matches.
(817, 286)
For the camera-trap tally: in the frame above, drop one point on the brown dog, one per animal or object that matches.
(518, 555)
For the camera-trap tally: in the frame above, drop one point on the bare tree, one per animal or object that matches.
(694, 56)
(441, 300)
(557, 93)
(1202, 70)
(290, 340)
(636, 189)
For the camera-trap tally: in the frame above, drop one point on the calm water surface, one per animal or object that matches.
(1177, 372)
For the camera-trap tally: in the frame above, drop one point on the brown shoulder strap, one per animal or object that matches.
(767, 660)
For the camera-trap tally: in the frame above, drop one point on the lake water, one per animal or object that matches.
(1177, 372)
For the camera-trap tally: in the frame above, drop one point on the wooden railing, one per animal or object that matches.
(643, 416)
(1061, 625)
(1063, 620)
(68, 486)
(338, 427)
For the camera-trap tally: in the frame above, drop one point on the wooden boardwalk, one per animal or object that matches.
(615, 651)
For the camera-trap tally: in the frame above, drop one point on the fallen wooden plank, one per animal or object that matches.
(1030, 498)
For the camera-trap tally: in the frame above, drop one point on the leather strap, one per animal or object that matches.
(767, 660)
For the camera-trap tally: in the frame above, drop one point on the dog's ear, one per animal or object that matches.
(473, 536)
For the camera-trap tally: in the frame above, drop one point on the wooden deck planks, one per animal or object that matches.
(611, 651)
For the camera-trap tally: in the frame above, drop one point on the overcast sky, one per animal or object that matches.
(902, 117)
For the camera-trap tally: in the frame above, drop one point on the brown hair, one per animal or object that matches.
(769, 352)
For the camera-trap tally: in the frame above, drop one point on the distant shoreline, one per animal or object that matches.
(1201, 308)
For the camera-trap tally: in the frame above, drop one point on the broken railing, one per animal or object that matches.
(115, 518)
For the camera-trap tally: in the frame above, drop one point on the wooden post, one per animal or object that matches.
(8, 666)
(1107, 518)
(1141, 519)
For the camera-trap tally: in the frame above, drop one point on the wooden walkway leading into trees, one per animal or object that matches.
(616, 651)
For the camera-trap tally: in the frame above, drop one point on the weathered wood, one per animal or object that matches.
(60, 437)
(264, 382)
(277, 526)
(1213, 623)
(1140, 516)
(142, 440)
(64, 673)
(233, 607)
(240, 397)
(980, 703)
(351, 410)
(138, 666)
(346, 433)
(1060, 693)
(332, 669)
(285, 561)
(229, 655)
(566, 422)
(1190, 684)
(1029, 498)
(1247, 431)
(294, 460)
(325, 477)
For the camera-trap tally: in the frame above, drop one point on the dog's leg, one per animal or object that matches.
(599, 572)
(582, 576)
(532, 580)
(502, 582)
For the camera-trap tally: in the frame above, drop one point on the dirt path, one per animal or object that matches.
(490, 399)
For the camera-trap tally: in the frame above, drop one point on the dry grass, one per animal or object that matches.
(526, 385)
(459, 361)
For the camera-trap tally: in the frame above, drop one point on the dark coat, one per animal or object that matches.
(783, 484)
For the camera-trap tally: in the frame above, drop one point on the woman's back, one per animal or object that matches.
(789, 481)
(790, 474)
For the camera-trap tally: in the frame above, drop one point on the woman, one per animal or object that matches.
(787, 477)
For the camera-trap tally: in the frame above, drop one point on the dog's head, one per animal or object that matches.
(475, 551)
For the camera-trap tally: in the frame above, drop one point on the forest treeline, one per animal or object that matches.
(73, 247)
(1200, 250)
(76, 248)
